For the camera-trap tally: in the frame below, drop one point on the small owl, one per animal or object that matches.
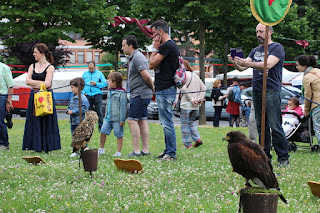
(83, 133)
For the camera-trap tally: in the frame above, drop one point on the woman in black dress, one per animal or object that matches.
(41, 133)
(217, 102)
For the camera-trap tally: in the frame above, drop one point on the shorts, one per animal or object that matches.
(107, 127)
(138, 108)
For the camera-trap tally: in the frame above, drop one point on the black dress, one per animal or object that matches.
(41, 133)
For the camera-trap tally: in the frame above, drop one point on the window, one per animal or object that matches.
(80, 57)
(89, 56)
(72, 57)
(97, 57)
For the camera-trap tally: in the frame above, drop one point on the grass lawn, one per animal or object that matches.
(199, 181)
(61, 106)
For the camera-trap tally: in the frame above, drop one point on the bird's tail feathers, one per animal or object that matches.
(281, 196)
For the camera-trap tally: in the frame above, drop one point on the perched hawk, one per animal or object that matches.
(82, 134)
(249, 160)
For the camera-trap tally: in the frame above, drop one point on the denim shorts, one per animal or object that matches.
(107, 127)
(138, 108)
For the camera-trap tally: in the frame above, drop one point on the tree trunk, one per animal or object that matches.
(225, 61)
(202, 112)
(116, 59)
(226, 51)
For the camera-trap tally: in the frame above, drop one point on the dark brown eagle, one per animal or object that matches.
(249, 160)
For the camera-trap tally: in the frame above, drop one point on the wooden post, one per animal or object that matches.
(79, 98)
(258, 202)
(264, 88)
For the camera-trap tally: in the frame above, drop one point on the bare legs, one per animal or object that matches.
(103, 138)
(235, 118)
(139, 129)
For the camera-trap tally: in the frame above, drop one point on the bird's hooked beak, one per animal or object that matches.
(227, 138)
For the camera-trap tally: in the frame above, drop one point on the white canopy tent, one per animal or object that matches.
(287, 76)
(59, 79)
(236, 73)
(297, 81)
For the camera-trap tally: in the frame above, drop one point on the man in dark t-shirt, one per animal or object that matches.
(273, 118)
(165, 62)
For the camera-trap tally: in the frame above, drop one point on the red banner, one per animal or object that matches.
(20, 66)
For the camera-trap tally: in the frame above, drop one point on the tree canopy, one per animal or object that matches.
(216, 24)
(49, 21)
(111, 39)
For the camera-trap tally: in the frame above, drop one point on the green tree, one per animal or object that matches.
(13, 61)
(213, 24)
(49, 21)
(191, 13)
(111, 40)
(293, 27)
(313, 17)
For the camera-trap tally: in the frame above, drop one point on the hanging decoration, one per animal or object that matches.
(126, 20)
(302, 43)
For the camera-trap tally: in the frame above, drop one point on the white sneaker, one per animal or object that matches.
(73, 154)
(117, 154)
(101, 151)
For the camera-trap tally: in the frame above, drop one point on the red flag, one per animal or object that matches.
(126, 20)
(302, 43)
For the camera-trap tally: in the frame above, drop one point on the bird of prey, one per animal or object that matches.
(83, 133)
(249, 160)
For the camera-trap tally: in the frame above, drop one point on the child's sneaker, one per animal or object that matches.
(117, 154)
(74, 154)
(101, 151)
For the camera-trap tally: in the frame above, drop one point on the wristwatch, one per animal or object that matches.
(9, 102)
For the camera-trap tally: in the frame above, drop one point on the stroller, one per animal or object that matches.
(245, 113)
(302, 133)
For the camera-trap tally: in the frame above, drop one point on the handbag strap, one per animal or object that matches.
(314, 73)
(180, 95)
(190, 80)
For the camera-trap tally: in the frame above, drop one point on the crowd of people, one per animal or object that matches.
(42, 132)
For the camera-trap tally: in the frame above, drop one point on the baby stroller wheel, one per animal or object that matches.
(292, 147)
(315, 148)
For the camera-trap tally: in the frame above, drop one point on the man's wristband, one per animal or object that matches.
(9, 102)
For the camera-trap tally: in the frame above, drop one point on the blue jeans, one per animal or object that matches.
(217, 115)
(4, 140)
(273, 120)
(96, 105)
(73, 127)
(165, 99)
